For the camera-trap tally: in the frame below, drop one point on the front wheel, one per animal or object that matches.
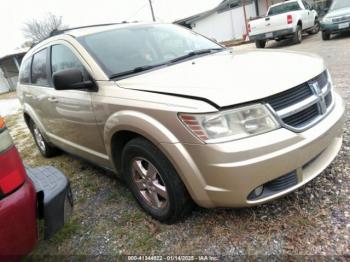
(260, 43)
(326, 36)
(154, 182)
(298, 35)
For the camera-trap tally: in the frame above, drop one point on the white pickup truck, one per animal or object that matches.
(284, 20)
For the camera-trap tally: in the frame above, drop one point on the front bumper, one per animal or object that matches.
(334, 28)
(273, 35)
(224, 175)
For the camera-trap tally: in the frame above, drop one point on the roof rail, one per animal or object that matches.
(58, 32)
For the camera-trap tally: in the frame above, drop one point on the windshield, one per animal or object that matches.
(284, 8)
(124, 49)
(338, 4)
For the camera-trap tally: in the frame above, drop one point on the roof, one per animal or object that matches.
(90, 29)
(19, 51)
(223, 6)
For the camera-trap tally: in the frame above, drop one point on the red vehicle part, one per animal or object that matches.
(18, 203)
(18, 225)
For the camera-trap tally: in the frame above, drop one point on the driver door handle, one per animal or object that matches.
(53, 99)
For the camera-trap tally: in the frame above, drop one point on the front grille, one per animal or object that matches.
(290, 97)
(300, 107)
(303, 117)
(341, 19)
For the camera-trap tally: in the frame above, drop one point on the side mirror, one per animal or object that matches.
(70, 79)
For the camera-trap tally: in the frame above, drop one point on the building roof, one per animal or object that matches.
(19, 51)
(223, 6)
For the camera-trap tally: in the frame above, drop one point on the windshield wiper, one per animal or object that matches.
(149, 67)
(196, 53)
(135, 70)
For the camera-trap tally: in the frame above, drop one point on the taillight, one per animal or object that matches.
(12, 173)
(249, 28)
(289, 19)
(2, 123)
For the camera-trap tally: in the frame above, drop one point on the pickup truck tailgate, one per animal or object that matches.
(269, 24)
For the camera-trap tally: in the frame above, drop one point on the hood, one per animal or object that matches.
(338, 12)
(227, 78)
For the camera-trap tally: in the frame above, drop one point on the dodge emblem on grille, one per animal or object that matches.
(321, 99)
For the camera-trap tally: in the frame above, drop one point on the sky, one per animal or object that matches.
(86, 12)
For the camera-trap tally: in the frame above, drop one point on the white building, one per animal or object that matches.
(228, 21)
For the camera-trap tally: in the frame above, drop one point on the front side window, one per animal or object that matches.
(39, 69)
(122, 49)
(284, 8)
(62, 58)
(24, 73)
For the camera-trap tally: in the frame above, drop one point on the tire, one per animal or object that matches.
(326, 36)
(298, 35)
(316, 28)
(171, 202)
(260, 43)
(47, 150)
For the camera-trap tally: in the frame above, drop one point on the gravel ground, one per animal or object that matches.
(314, 220)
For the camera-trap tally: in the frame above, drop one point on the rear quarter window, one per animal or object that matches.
(39, 69)
(24, 73)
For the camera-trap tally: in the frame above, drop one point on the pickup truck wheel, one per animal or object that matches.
(260, 43)
(44, 147)
(326, 36)
(298, 35)
(154, 182)
(316, 28)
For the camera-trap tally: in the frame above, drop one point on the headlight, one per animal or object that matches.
(327, 20)
(231, 124)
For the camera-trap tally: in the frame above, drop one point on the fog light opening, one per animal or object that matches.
(258, 191)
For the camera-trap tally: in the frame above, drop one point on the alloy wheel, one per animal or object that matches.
(149, 183)
(39, 139)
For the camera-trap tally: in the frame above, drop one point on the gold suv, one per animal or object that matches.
(179, 117)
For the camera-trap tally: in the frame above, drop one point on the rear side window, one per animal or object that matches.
(24, 73)
(284, 8)
(39, 69)
(62, 58)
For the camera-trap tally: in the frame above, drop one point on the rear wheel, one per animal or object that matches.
(326, 36)
(260, 43)
(298, 35)
(316, 28)
(154, 182)
(44, 147)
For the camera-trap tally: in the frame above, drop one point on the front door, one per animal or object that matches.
(72, 123)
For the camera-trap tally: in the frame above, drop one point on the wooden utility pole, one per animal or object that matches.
(150, 4)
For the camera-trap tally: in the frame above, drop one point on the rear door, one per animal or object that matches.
(37, 95)
(308, 18)
(72, 120)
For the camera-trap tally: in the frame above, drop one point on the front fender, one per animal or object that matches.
(139, 123)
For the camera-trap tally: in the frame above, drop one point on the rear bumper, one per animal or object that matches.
(18, 225)
(225, 175)
(45, 194)
(55, 199)
(275, 34)
(333, 28)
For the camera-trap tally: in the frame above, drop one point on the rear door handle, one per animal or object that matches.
(53, 99)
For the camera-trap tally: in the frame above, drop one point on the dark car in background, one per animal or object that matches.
(337, 19)
(28, 194)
